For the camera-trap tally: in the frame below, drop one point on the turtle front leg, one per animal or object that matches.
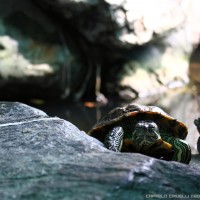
(114, 139)
(182, 150)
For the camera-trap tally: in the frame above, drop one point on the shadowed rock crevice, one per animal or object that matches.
(52, 49)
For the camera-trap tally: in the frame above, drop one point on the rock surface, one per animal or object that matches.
(49, 158)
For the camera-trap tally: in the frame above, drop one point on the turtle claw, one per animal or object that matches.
(161, 150)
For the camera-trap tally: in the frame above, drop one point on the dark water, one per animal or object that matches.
(78, 114)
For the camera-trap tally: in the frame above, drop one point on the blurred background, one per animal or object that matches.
(78, 59)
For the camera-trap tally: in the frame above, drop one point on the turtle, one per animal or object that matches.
(143, 129)
(197, 123)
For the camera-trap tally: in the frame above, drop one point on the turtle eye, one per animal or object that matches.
(152, 127)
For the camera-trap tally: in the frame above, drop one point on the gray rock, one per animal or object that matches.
(16, 112)
(49, 158)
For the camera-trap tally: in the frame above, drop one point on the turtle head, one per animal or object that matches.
(197, 123)
(146, 133)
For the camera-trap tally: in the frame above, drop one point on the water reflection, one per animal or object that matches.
(83, 117)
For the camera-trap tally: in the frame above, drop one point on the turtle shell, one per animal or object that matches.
(129, 115)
